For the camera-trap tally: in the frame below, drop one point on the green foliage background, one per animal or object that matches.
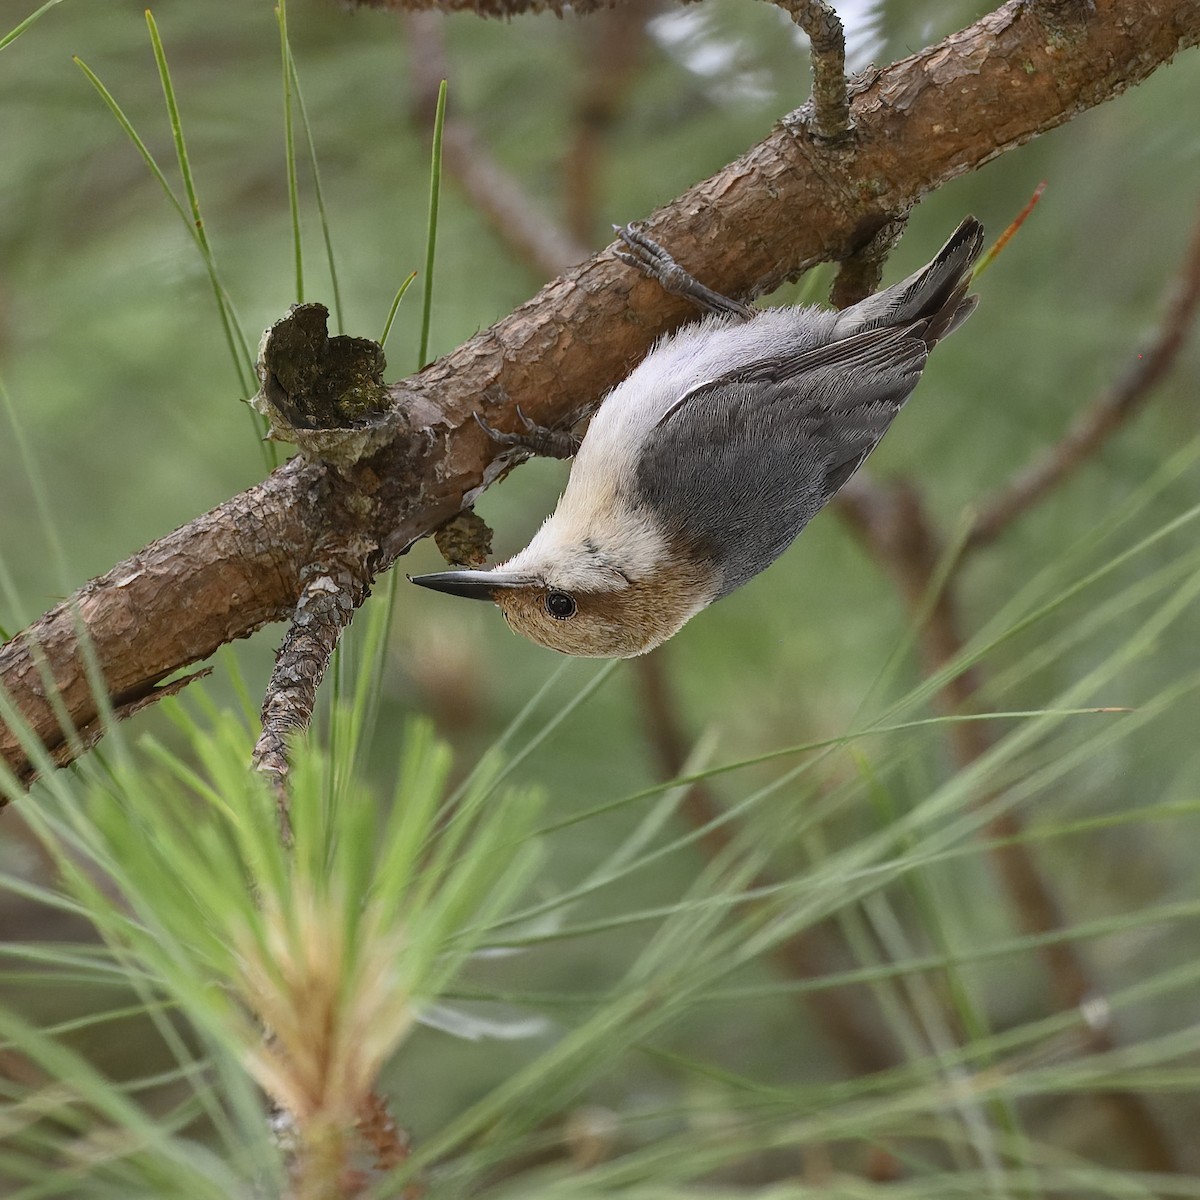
(123, 408)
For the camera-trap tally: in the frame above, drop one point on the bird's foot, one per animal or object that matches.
(537, 439)
(647, 256)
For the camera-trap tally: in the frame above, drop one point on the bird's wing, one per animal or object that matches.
(738, 466)
(937, 293)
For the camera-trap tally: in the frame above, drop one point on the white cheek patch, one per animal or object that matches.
(592, 543)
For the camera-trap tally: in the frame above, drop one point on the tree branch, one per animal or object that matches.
(861, 272)
(922, 121)
(331, 594)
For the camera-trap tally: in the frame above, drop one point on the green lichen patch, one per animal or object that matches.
(324, 394)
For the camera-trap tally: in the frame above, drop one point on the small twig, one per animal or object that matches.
(533, 235)
(830, 93)
(615, 41)
(331, 594)
(1107, 413)
(859, 275)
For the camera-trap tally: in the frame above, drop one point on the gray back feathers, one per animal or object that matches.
(738, 466)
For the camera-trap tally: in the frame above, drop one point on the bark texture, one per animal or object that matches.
(491, 8)
(917, 124)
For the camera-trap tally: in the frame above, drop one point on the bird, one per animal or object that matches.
(702, 466)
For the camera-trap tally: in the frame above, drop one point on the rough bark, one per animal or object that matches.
(491, 8)
(917, 124)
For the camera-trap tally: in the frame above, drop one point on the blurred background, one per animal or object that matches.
(124, 415)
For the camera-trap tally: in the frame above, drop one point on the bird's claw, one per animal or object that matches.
(647, 256)
(537, 439)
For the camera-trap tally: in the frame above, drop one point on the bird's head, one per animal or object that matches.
(586, 609)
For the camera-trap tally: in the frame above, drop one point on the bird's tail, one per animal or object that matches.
(934, 298)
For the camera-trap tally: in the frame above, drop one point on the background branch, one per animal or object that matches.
(897, 532)
(616, 44)
(1106, 414)
(492, 190)
(852, 1032)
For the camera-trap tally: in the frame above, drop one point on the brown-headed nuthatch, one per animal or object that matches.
(700, 469)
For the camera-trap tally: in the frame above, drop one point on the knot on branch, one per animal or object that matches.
(465, 540)
(324, 394)
(859, 274)
(1063, 18)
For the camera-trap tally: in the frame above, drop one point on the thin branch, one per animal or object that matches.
(860, 274)
(495, 194)
(1106, 414)
(330, 596)
(615, 42)
(830, 92)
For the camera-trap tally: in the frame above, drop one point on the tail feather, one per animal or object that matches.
(934, 298)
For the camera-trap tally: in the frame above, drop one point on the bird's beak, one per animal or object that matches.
(475, 585)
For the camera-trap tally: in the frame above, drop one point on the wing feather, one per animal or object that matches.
(738, 466)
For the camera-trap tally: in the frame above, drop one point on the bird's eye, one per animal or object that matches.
(560, 606)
